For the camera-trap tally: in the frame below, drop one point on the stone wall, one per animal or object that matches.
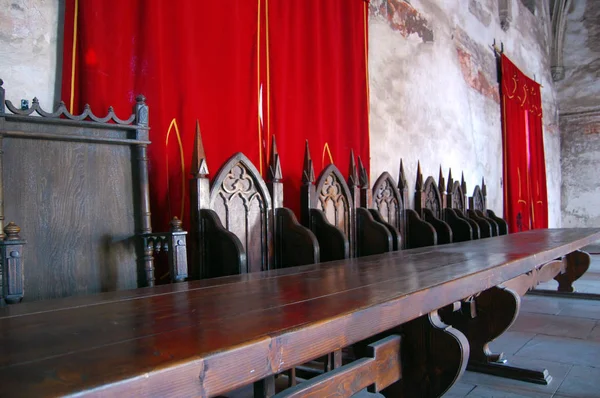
(434, 91)
(579, 97)
(28, 49)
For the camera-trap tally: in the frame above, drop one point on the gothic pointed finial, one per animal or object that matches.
(419, 183)
(274, 163)
(441, 181)
(362, 174)
(352, 172)
(308, 171)
(450, 185)
(463, 184)
(402, 184)
(483, 187)
(199, 166)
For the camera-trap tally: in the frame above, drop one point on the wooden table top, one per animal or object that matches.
(208, 337)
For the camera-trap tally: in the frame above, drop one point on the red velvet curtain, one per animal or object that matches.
(215, 61)
(525, 193)
(193, 60)
(318, 84)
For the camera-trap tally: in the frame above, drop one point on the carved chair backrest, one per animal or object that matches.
(334, 199)
(77, 185)
(477, 205)
(389, 205)
(239, 223)
(456, 210)
(429, 204)
(240, 197)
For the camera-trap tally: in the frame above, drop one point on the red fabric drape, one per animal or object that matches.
(318, 84)
(525, 199)
(210, 61)
(193, 61)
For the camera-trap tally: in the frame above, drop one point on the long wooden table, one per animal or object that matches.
(205, 338)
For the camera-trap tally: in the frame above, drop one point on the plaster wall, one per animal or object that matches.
(434, 93)
(579, 95)
(28, 49)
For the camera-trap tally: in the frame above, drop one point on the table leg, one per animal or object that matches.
(482, 319)
(434, 355)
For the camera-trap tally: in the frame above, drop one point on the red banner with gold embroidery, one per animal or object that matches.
(525, 199)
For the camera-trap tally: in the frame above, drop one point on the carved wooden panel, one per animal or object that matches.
(458, 199)
(432, 198)
(240, 198)
(387, 200)
(334, 199)
(478, 202)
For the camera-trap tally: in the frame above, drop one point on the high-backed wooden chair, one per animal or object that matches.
(455, 209)
(488, 227)
(77, 185)
(479, 204)
(429, 204)
(330, 209)
(388, 204)
(239, 223)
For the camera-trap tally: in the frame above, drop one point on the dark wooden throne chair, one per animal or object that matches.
(478, 202)
(456, 200)
(488, 227)
(77, 185)
(239, 224)
(330, 208)
(429, 204)
(388, 203)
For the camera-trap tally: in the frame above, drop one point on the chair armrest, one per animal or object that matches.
(443, 230)
(485, 229)
(372, 237)
(220, 252)
(502, 224)
(294, 243)
(461, 229)
(419, 233)
(332, 241)
(396, 237)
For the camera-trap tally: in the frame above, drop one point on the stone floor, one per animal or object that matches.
(558, 334)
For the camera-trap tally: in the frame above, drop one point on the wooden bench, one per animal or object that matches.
(77, 186)
(200, 338)
(454, 212)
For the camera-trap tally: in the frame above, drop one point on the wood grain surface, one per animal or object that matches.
(205, 338)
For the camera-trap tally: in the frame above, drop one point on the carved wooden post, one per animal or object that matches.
(354, 186)
(449, 190)
(403, 189)
(463, 187)
(274, 177)
(442, 189)
(2, 97)
(1, 186)
(177, 251)
(199, 199)
(419, 196)
(140, 110)
(11, 252)
(366, 195)
(1, 168)
(307, 190)
(484, 194)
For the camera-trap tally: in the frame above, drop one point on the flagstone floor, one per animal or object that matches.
(559, 334)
